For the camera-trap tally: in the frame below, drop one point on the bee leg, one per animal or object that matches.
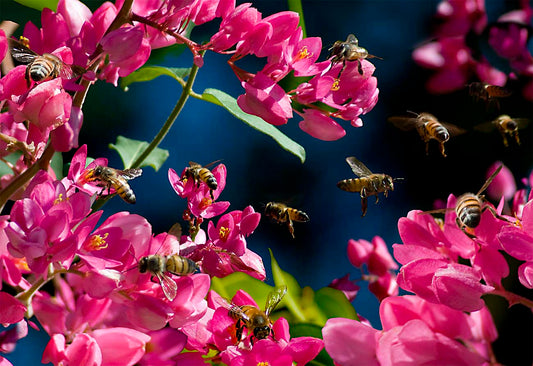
(239, 329)
(211, 194)
(364, 205)
(517, 138)
(360, 67)
(291, 227)
(377, 198)
(343, 67)
(27, 76)
(441, 149)
(494, 213)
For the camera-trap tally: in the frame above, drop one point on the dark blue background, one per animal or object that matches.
(260, 171)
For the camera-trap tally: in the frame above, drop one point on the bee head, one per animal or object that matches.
(143, 264)
(443, 135)
(262, 332)
(388, 183)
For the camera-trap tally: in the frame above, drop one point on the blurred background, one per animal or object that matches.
(259, 171)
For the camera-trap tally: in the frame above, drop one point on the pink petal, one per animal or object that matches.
(11, 309)
(318, 125)
(121, 346)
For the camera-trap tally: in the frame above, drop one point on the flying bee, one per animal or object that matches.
(506, 126)
(202, 174)
(428, 127)
(348, 50)
(42, 67)
(113, 178)
(254, 319)
(280, 213)
(160, 265)
(368, 183)
(488, 93)
(470, 206)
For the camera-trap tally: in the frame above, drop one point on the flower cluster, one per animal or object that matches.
(457, 62)
(103, 308)
(446, 321)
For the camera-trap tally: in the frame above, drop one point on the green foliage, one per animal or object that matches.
(148, 73)
(38, 4)
(129, 150)
(226, 101)
(296, 6)
(308, 306)
(57, 165)
(11, 158)
(229, 285)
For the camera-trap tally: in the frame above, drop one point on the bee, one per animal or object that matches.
(42, 67)
(283, 214)
(202, 174)
(254, 319)
(367, 184)
(348, 50)
(429, 128)
(506, 126)
(488, 93)
(113, 178)
(159, 265)
(469, 208)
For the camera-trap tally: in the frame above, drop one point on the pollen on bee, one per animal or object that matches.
(97, 242)
(205, 203)
(303, 53)
(223, 233)
(335, 85)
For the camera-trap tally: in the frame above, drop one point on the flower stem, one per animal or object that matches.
(186, 92)
(41, 164)
(513, 298)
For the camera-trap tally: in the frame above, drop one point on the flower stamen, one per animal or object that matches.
(97, 242)
(205, 203)
(304, 53)
(223, 233)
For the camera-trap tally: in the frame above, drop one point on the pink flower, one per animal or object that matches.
(3, 44)
(503, 184)
(320, 126)
(10, 337)
(349, 288)
(83, 350)
(11, 309)
(266, 99)
(164, 345)
(120, 346)
(350, 342)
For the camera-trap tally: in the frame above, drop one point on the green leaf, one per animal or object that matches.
(334, 304)
(229, 285)
(129, 150)
(148, 73)
(11, 158)
(57, 164)
(226, 101)
(39, 4)
(296, 6)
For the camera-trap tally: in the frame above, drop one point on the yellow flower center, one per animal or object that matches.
(303, 53)
(97, 242)
(60, 199)
(21, 263)
(335, 85)
(263, 363)
(223, 233)
(205, 203)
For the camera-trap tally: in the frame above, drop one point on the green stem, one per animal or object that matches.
(41, 164)
(186, 92)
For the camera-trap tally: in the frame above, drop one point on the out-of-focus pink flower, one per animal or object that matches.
(359, 252)
(83, 350)
(349, 288)
(266, 99)
(3, 44)
(11, 309)
(163, 346)
(350, 343)
(503, 184)
(459, 17)
(121, 346)
(10, 337)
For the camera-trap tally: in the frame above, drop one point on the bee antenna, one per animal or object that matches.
(413, 113)
(398, 179)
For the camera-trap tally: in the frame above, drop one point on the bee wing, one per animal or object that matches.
(521, 122)
(489, 180)
(274, 298)
(352, 39)
(403, 123)
(224, 303)
(485, 127)
(453, 130)
(168, 285)
(176, 230)
(358, 168)
(212, 163)
(71, 71)
(193, 164)
(130, 173)
(20, 52)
